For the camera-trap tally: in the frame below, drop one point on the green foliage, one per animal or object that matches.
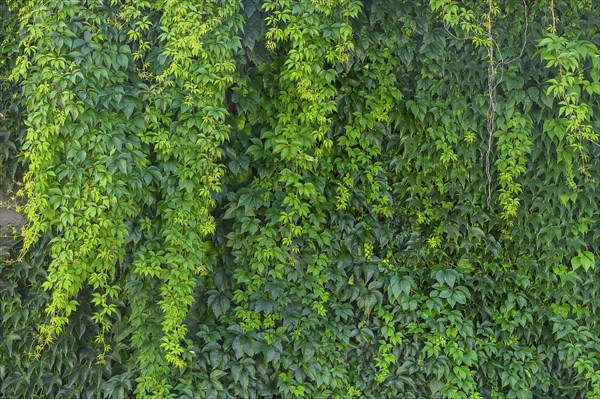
(301, 199)
(11, 133)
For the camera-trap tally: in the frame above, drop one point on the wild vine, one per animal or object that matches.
(300, 199)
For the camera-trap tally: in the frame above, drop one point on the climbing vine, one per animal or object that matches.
(300, 199)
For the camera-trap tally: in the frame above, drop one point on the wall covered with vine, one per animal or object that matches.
(300, 199)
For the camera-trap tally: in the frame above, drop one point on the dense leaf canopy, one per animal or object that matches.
(301, 199)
